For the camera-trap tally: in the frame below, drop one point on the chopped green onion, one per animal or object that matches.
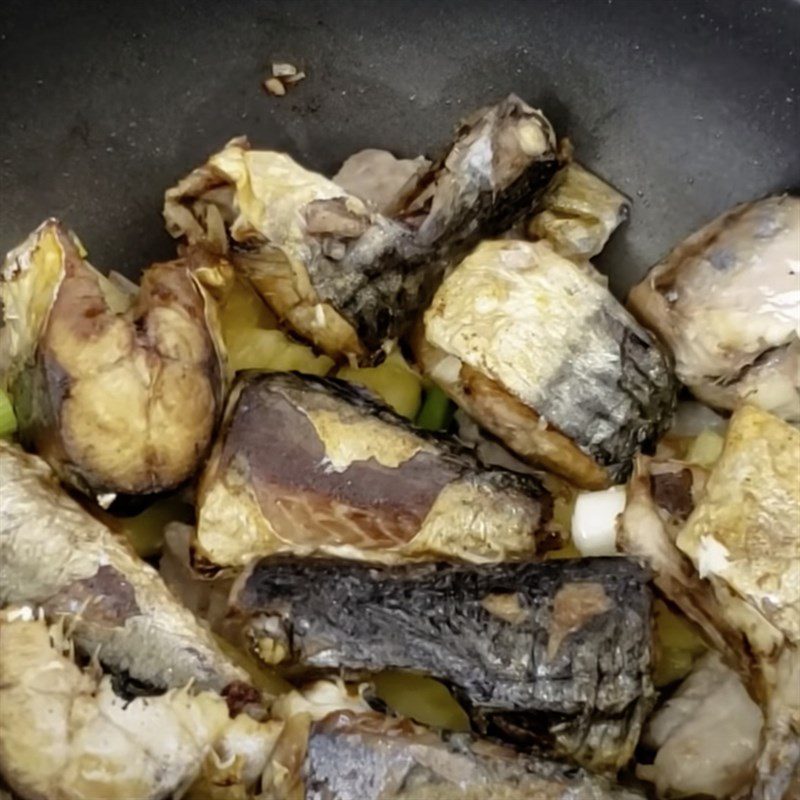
(8, 420)
(436, 412)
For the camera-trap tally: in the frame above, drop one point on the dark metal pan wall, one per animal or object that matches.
(686, 105)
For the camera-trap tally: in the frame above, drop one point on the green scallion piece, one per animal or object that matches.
(436, 412)
(8, 420)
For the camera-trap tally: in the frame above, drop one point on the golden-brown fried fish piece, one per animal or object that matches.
(335, 271)
(727, 302)
(119, 392)
(744, 534)
(54, 554)
(546, 359)
(308, 465)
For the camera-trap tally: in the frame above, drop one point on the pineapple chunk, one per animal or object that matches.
(145, 531)
(243, 309)
(253, 342)
(706, 449)
(261, 349)
(393, 380)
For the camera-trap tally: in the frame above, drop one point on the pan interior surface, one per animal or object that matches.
(687, 106)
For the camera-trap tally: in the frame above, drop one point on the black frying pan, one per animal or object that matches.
(686, 105)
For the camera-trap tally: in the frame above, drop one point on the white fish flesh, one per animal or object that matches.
(727, 303)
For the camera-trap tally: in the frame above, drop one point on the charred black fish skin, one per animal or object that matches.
(318, 466)
(352, 757)
(553, 655)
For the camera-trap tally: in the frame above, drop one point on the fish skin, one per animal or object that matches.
(647, 530)
(554, 656)
(308, 465)
(778, 767)
(53, 553)
(644, 383)
(578, 213)
(119, 392)
(368, 757)
(725, 301)
(547, 360)
(385, 269)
